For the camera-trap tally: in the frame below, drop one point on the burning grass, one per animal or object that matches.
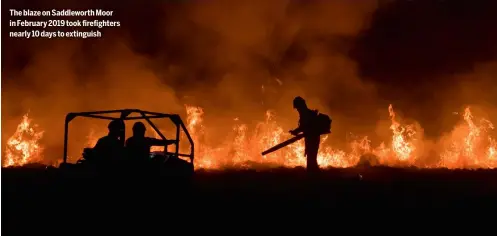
(469, 146)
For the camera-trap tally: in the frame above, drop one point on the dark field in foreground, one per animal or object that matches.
(35, 193)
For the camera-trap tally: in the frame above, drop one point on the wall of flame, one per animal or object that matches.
(468, 146)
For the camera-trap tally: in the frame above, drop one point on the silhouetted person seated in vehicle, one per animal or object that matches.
(110, 148)
(138, 146)
(307, 125)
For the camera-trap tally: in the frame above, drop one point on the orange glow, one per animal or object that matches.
(469, 146)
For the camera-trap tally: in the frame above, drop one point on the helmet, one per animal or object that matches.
(116, 125)
(299, 102)
(139, 127)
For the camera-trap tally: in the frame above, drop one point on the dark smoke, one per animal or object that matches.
(414, 52)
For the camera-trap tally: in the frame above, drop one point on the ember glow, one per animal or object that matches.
(469, 146)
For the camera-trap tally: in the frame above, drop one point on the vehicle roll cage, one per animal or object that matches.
(124, 114)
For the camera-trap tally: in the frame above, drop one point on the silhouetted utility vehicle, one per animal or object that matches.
(162, 163)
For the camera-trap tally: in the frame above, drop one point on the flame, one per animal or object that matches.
(23, 146)
(246, 149)
(469, 146)
(243, 147)
(402, 149)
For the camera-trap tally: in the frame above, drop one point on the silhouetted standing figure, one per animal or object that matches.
(307, 126)
(138, 146)
(109, 148)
